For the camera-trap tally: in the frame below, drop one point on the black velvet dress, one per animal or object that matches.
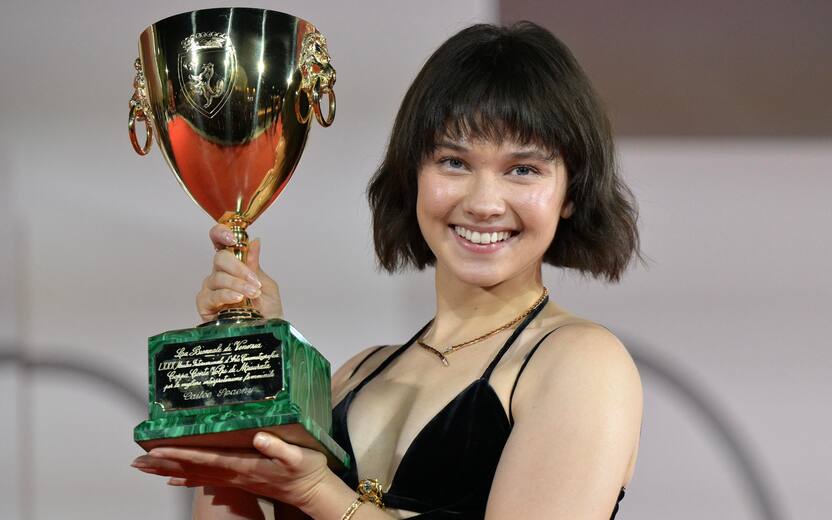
(463, 443)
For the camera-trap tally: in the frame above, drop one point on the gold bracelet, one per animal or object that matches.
(369, 490)
(353, 507)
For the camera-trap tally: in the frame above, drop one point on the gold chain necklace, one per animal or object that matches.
(442, 355)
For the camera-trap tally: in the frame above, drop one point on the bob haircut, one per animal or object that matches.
(493, 83)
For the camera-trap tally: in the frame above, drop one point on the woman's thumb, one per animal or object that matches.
(253, 256)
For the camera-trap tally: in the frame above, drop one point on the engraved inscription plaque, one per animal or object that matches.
(218, 372)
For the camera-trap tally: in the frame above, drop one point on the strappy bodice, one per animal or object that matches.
(462, 442)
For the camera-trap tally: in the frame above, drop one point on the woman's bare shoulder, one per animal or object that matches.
(572, 338)
(558, 326)
(356, 368)
(576, 352)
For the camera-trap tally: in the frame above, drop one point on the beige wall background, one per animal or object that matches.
(103, 249)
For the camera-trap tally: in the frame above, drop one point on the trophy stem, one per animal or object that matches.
(242, 311)
(238, 228)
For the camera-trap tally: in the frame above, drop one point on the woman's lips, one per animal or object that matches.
(481, 248)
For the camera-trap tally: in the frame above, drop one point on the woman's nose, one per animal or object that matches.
(483, 199)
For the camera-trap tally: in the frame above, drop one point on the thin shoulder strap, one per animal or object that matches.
(390, 359)
(368, 356)
(523, 367)
(487, 374)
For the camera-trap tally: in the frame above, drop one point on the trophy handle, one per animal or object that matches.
(316, 106)
(317, 79)
(314, 99)
(138, 112)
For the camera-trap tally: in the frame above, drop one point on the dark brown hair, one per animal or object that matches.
(520, 82)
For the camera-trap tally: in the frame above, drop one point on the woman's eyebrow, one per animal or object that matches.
(457, 147)
(533, 154)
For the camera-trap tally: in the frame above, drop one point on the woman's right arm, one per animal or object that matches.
(229, 282)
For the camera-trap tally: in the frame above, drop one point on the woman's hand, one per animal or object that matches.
(230, 280)
(278, 470)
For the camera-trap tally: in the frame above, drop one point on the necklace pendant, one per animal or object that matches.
(454, 348)
(441, 356)
(438, 354)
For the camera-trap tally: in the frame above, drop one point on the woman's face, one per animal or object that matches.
(489, 210)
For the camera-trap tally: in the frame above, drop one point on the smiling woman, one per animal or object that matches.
(488, 211)
(520, 86)
(501, 158)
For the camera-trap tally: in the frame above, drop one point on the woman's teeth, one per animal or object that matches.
(481, 238)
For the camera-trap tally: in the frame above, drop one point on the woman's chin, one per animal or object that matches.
(479, 278)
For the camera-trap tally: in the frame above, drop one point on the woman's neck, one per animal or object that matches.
(464, 311)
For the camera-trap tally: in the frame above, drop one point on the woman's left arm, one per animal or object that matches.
(578, 411)
(276, 469)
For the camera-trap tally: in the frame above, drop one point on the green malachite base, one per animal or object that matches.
(200, 394)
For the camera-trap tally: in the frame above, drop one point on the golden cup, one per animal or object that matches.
(229, 95)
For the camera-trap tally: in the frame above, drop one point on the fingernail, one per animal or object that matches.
(228, 237)
(261, 440)
(139, 464)
(251, 291)
(253, 278)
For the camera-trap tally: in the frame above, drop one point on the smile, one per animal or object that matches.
(476, 237)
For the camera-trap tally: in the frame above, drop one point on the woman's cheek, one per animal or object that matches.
(538, 206)
(538, 213)
(438, 197)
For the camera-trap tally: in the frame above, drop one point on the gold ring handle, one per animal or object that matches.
(316, 106)
(137, 115)
(138, 112)
(317, 79)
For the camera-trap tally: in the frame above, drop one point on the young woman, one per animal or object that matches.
(506, 404)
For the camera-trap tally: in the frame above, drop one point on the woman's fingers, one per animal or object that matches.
(275, 468)
(232, 467)
(225, 261)
(224, 281)
(222, 297)
(253, 258)
(231, 280)
(209, 301)
(221, 236)
(278, 449)
(217, 470)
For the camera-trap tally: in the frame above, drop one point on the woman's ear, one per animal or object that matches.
(567, 210)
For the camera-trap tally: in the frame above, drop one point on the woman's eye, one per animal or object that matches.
(522, 171)
(453, 163)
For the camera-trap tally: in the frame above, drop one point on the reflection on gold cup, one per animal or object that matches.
(229, 95)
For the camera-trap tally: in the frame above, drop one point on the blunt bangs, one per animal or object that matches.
(495, 91)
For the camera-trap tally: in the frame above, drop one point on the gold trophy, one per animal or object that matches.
(229, 95)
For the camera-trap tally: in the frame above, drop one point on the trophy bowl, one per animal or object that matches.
(229, 95)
